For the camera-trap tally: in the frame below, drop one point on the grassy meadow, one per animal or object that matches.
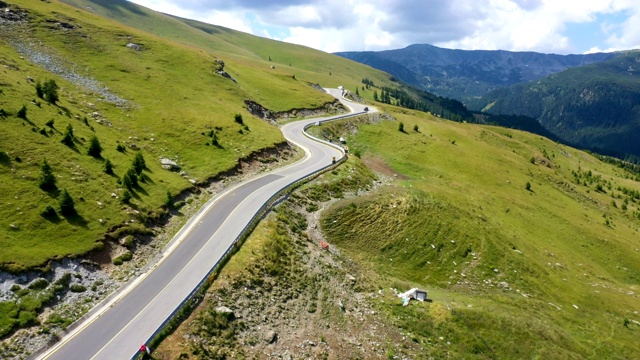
(552, 271)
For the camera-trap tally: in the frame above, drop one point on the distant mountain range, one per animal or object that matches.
(464, 74)
(591, 101)
(595, 106)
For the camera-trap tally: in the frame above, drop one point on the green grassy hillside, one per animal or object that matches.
(288, 59)
(164, 101)
(550, 269)
(161, 95)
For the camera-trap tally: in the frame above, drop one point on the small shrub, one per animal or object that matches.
(22, 113)
(15, 288)
(77, 288)
(416, 128)
(39, 284)
(238, 119)
(49, 212)
(401, 127)
(128, 241)
(168, 201)
(127, 256)
(121, 148)
(528, 186)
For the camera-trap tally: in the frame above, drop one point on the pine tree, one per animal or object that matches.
(50, 90)
(94, 147)
(67, 206)
(67, 137)
(130, 178)
(375, 95)
(47, 181)
(126, 197)
(22, 113)
(138, 163)
(39, 90)
(108, 167)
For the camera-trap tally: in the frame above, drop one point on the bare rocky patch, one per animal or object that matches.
(299, 298)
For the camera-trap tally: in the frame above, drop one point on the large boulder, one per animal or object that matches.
(169, 164)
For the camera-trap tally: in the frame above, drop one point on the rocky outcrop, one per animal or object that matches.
(12, 14)
(334, 107)
(220, 70)
(169, 164)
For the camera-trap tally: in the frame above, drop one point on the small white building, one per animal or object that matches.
(414, 293)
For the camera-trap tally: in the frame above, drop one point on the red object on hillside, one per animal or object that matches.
(324, 245)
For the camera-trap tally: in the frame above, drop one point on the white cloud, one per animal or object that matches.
(340, 25)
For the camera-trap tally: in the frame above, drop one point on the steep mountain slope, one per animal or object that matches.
(305, 63)
(139, 93)
(463, 74)
(594, 106)
(527, 247)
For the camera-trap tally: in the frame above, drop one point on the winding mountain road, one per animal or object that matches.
(119, 325)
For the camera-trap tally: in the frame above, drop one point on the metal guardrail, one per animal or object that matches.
(196, 295)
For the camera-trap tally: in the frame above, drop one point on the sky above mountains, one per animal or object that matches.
(549, 26)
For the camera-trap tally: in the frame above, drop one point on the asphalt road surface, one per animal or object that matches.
(119, 326)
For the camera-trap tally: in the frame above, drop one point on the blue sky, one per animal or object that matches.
(549, 26)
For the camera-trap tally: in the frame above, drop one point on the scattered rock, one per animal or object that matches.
(270, 337)
(169, 164)
(134, 46)
(224, 310)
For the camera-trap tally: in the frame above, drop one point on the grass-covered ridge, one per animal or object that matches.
(169, 102)
(549, 269)
(161, 95)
